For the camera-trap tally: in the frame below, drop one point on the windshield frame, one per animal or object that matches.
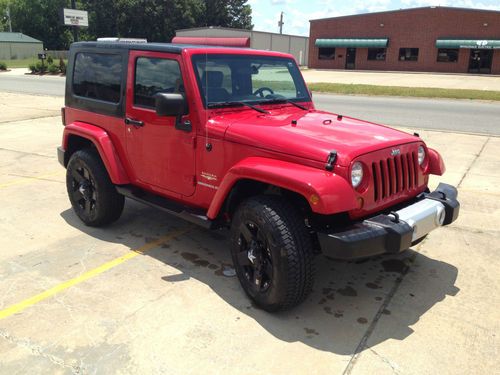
(297, 79)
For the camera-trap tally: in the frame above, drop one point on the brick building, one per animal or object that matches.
(430, 39)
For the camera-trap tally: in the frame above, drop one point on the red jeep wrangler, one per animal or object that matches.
(229, 137)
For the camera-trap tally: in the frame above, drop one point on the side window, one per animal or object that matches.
(98, 76)
(153, 75)
(377, 54)
(408, 54)
(447, 55)
(326, 53)
(216, 80)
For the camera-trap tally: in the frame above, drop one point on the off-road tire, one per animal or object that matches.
(289, 244)
(107, 203)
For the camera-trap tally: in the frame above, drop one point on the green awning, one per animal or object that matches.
(353, 43)
(468, 43)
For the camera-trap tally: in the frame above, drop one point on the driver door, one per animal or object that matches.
(161, 156)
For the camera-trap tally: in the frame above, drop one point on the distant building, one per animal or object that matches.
(18, 46)
(430, 39)
(296, 45)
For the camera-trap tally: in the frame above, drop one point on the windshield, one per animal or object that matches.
(248, 78)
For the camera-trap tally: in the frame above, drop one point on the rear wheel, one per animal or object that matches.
(92, 194)
(272, 252)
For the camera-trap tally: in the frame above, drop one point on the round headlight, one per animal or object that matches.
(356, 174)
(421, 155)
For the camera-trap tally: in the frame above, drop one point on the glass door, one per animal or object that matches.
(350, 59)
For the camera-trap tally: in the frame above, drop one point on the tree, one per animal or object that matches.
(227, 13)
(3, 16)
(155, 20)
(40, 20)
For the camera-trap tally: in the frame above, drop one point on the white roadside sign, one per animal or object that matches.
(73, 17)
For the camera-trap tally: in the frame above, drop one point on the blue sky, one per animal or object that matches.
(298, 12)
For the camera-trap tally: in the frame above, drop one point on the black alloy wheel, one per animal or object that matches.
(255, 257)
(92, 194)
(83, 190)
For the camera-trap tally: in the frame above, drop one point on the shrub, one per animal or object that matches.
(53, 69)
(62, 66)
(50, 60)
(3, 66)
(41, 68)
(32, 68)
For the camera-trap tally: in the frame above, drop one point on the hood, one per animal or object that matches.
(308, 134)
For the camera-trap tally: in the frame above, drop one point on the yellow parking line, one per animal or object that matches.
(28, 179)
(18, 307)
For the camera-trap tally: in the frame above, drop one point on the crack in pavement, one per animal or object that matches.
(473, 162)
(53, 115)
(363, 342)
(385, 360)
(38, 351)
(26, 153)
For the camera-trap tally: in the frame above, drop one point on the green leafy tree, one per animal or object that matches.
(40, 20)
(227, 13)
(155, 20)
(3, 16)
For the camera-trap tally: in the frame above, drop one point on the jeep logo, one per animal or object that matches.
(396, 152)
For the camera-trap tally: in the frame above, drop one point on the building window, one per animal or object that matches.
(408, 54)
(377, 54)
(326, 54)
(447, 55)
(153, 76)
(98, 76)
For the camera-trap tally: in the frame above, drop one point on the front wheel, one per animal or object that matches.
(92, 194)
(272, 252)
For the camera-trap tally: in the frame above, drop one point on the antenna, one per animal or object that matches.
(281, 23)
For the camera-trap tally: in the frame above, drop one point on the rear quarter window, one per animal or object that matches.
(98, 76)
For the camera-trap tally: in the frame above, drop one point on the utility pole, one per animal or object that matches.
(75, 28)
(281, 23)
(7, 13)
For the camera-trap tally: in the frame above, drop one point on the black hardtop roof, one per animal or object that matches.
(160, 47)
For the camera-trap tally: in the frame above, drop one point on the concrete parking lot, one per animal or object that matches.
(153, 295)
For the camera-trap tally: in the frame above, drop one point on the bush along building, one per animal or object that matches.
(430, 39)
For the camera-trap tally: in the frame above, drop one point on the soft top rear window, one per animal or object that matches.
(98, 76)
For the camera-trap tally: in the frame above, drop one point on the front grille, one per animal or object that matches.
(395, 175)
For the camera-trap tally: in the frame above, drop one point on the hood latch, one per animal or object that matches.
(331, 160)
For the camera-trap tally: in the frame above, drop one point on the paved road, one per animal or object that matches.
(53, 86)
(439, 114)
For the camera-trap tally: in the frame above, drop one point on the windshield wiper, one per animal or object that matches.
(231, 104)
(283, 100)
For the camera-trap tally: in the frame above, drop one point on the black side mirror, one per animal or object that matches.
(170, 104)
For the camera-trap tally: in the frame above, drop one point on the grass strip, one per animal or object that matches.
(419, 92)
(20, 63)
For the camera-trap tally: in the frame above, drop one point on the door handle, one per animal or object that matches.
(130, 121)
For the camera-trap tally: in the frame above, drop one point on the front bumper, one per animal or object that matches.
(396, 231)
